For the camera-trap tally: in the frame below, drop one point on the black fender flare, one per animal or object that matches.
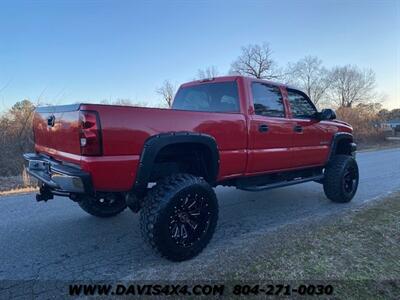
(335, 142)
(154, 144)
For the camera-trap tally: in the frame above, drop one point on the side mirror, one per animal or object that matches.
(327, 114)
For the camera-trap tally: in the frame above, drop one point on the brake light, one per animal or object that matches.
(90, 133)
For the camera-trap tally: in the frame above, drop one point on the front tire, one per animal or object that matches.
(104, 206)
(179, 216)
(341, 179)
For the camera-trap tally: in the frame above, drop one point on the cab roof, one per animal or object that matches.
(232, 78)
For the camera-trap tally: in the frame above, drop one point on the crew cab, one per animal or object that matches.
(164, 163)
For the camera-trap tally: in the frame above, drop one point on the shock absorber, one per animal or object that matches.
(133, 202)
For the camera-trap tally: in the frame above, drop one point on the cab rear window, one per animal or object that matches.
(210, 97)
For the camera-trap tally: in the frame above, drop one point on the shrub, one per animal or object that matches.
(16, 137)
(365, 122)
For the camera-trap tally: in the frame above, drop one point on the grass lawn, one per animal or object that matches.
(357, 252)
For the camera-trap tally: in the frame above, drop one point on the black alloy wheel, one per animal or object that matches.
(190, 218)
(103, 205)
(341, 178)
(179, 216)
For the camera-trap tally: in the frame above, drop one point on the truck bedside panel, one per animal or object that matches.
(111, 173)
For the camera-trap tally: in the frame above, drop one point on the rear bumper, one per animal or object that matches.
(56, 176)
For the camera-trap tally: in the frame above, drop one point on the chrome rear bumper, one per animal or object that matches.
(56, 176)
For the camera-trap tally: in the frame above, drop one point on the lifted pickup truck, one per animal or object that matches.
(232, 131)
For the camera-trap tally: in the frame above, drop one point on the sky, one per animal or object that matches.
(87, 51)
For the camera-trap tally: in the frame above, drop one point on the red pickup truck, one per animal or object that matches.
(233, 131)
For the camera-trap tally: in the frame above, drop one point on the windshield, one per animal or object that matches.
(211, 97)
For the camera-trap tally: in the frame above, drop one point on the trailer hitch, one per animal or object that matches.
(44, 194)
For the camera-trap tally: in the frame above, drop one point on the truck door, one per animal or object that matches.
(270, 135)
(310, 139)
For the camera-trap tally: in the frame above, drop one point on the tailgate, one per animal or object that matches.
(56, 131)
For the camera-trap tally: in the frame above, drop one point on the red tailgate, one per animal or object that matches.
(56, 130)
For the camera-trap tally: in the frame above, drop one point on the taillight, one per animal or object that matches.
(90, 133)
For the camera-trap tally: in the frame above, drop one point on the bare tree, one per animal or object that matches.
(167, 92)
(129, 102)
(309, 75)
(16, 137)
(350, 85)
(123, 102)
(209, 72)
(22, 113)
(256, 61)
(2, 88)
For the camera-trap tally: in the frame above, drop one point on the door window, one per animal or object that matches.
(300, 105)
(267, 100)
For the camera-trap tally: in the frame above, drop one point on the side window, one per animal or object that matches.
(267, 100)
(300, 105)
(210, 97)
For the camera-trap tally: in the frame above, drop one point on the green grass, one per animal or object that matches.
(357, 252)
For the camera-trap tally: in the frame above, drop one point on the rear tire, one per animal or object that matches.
(104, 207)
(179, 216)
(341, 179)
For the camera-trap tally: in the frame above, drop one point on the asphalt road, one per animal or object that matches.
(57, 240)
